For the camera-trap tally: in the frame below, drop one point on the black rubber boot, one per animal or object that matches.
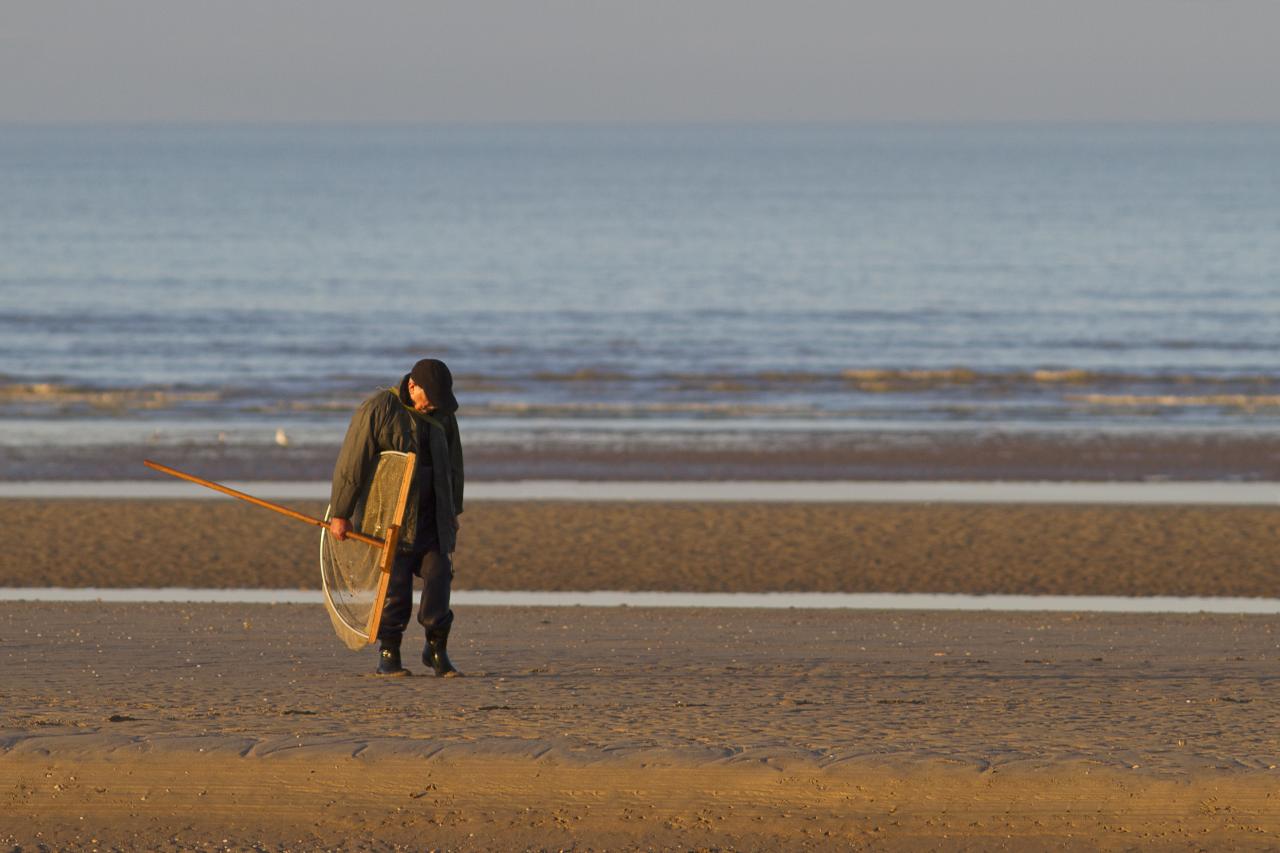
(389, 661)
(436, 655)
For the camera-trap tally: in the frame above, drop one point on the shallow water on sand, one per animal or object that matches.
(1188, 493)
(750, 600)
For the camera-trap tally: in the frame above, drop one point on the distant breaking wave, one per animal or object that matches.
(52, 393)
(1246, 402)
(884, 379)
(885, 396)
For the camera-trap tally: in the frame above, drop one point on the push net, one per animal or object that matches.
(351, 571)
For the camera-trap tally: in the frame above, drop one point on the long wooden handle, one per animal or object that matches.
(283, 510)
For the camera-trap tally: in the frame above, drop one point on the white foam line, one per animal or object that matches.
(751, 600)
(1239, 494)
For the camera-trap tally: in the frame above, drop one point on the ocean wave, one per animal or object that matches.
(918, 380)
(52, 393)
(895, 393)
(630, 409)
(302, 407)
(881, 380)
(1242, 402)
(584, 374)
(888, 380)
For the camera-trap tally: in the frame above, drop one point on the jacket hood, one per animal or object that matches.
(441, 398)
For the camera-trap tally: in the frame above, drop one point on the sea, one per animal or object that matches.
(247, 286)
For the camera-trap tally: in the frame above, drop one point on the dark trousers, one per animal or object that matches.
(436, 570)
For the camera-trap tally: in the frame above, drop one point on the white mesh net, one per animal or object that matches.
(354, 585)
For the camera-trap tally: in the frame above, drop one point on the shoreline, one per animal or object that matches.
(901, 456)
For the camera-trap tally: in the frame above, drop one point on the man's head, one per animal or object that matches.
(431, 387)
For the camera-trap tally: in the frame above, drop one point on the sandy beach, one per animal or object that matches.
(707, 547)
(250, 727)
(871, 418)
(153, 726)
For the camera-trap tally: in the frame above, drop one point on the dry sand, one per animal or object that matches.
(1066, 550)
(179, 726)
(211, 726)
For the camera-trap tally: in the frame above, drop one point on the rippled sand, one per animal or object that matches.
(169, 726)
(714, 547)
(212, 726)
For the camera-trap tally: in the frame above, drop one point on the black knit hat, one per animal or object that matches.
(433, 376)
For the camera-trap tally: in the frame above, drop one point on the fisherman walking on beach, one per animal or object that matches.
(417, 417)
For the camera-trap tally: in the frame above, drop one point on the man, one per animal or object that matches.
(417, 417)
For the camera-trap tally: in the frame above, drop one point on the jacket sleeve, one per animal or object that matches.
(356, 461)
(455, 462)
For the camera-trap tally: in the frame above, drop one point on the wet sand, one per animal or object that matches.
(171, 726)
(216, 726)
(707, 547)
(725, 455)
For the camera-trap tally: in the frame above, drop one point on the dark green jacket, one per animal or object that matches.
(387, 421)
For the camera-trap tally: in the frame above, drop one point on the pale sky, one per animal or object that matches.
(648, 60)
